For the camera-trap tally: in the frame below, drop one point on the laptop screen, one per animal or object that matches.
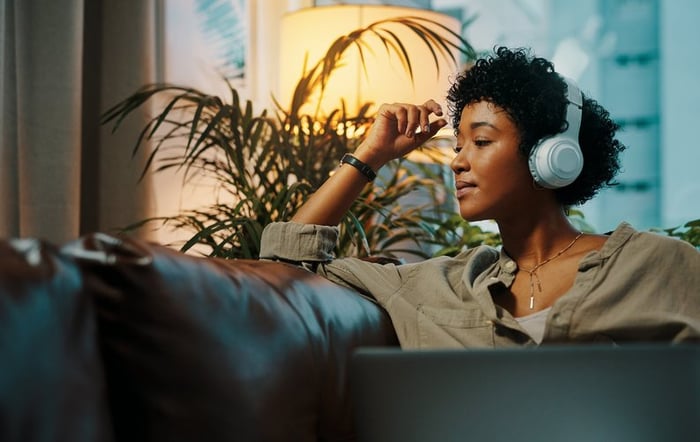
(635, 393)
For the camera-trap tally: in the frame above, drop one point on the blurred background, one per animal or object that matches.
(64, 173)
(636, 57)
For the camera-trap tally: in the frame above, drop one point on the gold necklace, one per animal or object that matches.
(533, 271)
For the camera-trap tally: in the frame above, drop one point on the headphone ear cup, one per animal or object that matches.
(555, 162)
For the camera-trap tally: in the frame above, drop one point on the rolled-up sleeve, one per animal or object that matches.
(295, 242)
(311, 246)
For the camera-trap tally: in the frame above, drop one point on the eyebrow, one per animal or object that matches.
(478, 124)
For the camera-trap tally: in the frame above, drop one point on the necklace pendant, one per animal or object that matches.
(532, 302)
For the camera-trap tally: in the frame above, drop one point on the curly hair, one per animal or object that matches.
(534, 96)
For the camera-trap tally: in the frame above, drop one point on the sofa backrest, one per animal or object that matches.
(210, 349)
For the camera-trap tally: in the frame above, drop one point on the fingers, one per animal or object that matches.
(434, 107)
(412, 119)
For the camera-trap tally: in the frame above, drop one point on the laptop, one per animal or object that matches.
(636, 393)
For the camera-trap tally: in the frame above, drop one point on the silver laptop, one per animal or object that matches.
(634, 393)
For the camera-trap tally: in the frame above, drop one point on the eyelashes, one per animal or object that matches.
(477, 143)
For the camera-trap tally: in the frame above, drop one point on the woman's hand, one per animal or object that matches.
(398, 129)
(392, 135)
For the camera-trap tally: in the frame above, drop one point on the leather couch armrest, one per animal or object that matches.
(52, 384)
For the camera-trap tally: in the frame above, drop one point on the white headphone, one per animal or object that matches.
(557, 161)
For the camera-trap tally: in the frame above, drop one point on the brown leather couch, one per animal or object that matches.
(113, 339)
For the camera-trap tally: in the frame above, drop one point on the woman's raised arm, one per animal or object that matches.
(398, 129)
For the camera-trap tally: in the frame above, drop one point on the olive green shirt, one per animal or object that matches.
(641, 286)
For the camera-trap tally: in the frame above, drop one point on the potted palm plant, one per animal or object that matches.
(265, 164)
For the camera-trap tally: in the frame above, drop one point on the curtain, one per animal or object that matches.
(62, 64)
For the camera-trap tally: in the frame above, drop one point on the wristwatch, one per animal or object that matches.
(359, 165)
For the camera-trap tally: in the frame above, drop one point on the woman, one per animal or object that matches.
(549, 283)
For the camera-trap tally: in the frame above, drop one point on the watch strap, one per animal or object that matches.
(359, 165)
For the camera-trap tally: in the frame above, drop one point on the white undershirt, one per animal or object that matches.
(534, 324)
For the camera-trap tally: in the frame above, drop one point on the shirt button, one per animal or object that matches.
(510, 266)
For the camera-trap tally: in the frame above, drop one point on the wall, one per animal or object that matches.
(680, 110)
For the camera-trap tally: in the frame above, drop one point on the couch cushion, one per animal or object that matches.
(51, 382)
(213, 350)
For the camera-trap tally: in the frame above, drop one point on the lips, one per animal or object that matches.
(464, 188)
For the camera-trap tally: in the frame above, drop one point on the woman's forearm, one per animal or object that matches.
(329, 204)
(398, 129)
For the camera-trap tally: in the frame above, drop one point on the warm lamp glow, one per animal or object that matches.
(308, 33)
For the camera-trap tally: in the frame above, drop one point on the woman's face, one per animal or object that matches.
(491, 177)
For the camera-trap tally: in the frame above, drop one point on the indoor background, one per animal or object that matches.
(64, 62)
(634, 56)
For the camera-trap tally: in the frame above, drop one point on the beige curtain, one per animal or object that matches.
(63, 62)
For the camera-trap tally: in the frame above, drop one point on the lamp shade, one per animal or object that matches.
(377, 76)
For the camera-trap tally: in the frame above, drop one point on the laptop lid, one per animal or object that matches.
(575, 393)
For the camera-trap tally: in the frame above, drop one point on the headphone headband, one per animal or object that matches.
(573, 109)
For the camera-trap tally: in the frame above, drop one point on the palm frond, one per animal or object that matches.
(264, 166)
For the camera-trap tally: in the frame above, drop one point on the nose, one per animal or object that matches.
(459, 163)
